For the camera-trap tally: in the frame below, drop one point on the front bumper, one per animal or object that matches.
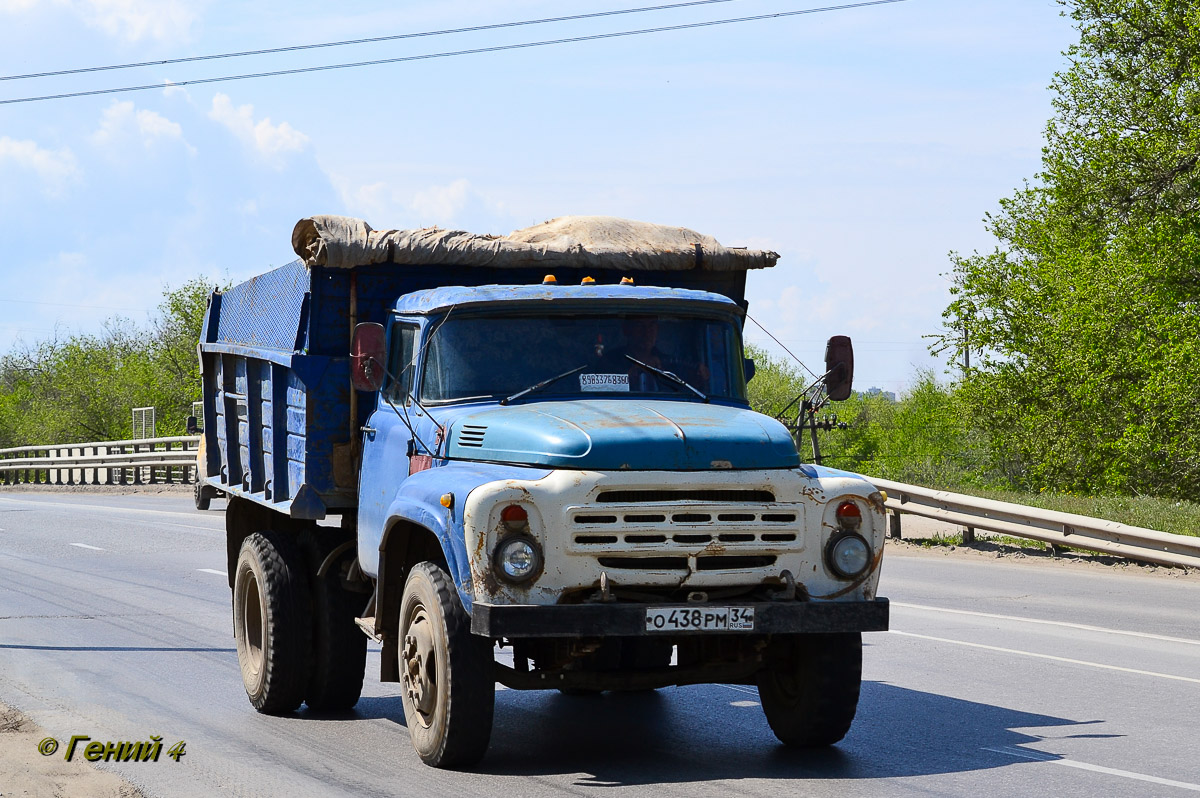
(629, 619)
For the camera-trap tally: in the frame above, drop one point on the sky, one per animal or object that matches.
(862, 144)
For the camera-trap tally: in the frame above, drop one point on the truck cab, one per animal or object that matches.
(566, 470)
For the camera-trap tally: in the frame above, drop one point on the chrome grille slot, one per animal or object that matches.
(646, 563)
(726, 562)
(595, 539)
(595, 519)
(645, 538)
(667, 496)
(691, 518)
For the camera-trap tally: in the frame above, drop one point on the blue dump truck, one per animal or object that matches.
(534, 463)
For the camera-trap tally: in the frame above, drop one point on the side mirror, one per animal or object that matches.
(839, 367)
(748, 368)
(192, 426)
(368, 353)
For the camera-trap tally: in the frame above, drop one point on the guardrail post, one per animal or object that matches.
(968, 534)
(894, 525)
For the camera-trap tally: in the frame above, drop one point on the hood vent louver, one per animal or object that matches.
(472, 435)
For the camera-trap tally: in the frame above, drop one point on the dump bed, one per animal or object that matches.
(281, 420)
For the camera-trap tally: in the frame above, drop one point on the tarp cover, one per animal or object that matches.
(599, 242)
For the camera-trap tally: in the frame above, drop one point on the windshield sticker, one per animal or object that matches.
(604, 382)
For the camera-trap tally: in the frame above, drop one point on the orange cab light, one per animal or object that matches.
(588, 281)
(549, 279)
(626, 281)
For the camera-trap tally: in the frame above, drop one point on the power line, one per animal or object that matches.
(449, 54)
(785, 349)
(372, 40)
(68, 305)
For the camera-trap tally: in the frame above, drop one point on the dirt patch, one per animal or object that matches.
(30, 775)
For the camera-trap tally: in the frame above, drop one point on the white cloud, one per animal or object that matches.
(441, 202)
(394, 202)
(134, 20)
(271, 142)
(170, 89)
(121, 119)
(16, 6)
(55, 168)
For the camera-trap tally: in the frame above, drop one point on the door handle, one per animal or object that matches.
(368, 430)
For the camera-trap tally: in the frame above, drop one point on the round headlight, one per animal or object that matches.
(848, 555)
(518, 559)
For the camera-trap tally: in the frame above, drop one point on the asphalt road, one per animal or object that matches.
(999, 679)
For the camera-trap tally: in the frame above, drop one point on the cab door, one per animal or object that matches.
(387, 442)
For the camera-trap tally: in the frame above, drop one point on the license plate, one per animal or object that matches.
(700, 619)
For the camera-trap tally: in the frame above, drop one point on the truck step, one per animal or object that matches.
(368, 627)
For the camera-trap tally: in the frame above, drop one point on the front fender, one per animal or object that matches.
(417, 500)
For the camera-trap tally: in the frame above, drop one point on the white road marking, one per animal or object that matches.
(213, 571)
(1040, 756)
(86, 546)
(741, 688)
(1064, 624)
(1048, 656)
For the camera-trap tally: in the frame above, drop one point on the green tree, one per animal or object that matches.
(82, 387)
(1085, 318)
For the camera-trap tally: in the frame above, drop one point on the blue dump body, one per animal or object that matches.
(282, 424)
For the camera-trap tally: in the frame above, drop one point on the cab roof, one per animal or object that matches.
(436, 300)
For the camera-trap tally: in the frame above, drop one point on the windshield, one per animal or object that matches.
(499, 356)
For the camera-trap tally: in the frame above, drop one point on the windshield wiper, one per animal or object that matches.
(543, 384)
(666, 375)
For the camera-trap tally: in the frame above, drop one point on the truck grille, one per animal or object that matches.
(688, 529)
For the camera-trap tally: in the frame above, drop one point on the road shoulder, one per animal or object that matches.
(28, 773)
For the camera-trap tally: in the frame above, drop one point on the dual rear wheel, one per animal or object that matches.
(295, 633)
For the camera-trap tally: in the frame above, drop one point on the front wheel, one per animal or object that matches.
(445, 672)
(203, 496)
(809, 687)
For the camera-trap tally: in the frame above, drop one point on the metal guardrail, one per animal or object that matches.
(1035, 523)
(133, 462)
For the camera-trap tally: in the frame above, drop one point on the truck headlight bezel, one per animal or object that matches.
(509, 552)
(843, 551)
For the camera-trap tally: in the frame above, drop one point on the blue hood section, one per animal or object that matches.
(609, 435)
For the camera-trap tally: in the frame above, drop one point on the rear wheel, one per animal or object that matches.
(809, 687)
(271, 622)
(445, 672)
(339, 656)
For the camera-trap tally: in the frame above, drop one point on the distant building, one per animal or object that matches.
(889, 395)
